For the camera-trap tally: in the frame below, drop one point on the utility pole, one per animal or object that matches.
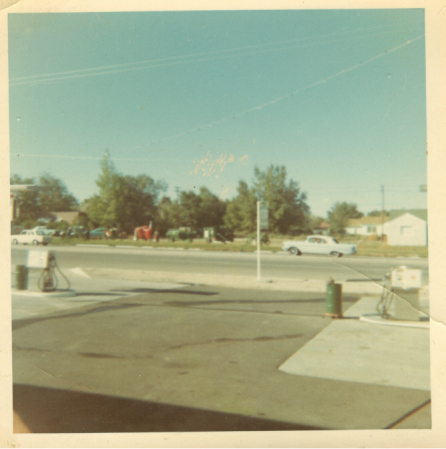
(262, 223)
(382, 214)
(258, 240)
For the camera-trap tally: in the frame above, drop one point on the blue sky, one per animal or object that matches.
(200, 98)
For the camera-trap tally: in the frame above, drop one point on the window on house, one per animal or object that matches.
(371, 229)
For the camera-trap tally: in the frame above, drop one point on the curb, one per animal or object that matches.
(377, 319)
(35, 294)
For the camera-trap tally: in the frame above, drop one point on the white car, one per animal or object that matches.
(31, 237)
(318, 244)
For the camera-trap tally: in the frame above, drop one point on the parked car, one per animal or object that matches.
(98, 233)
(180, 234)
(31, 237)
(78, 231)
(45, 230)
(59, 233)
(318, 244)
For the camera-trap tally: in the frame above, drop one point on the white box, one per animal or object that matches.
(38, 259)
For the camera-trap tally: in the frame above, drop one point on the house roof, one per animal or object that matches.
(357, 222)
(322, 225)
(419, 213)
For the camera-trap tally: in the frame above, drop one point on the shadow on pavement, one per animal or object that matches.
(46, 410)
(97, 294)
(256, 301)
(18, 324)
(154, 290)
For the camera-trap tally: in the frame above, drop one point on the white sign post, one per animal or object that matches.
(262, 223)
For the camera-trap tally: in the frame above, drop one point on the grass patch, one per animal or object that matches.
(195, 244)
(364, 248)
(380, 249)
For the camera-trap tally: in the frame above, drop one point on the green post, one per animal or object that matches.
(333, 300)
(21, 277)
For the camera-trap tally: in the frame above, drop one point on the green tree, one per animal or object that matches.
(339, 215)
(201, 210)
(166, 217)
(288, 211)
(377, 213)
(212, 209)
(101, 207)
(241, 211)
(53, 197)
(27, 201)
(190, 209)
(123, 201)
(136, 201)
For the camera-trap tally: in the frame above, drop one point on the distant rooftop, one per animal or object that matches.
(357, 222)
(420, 213)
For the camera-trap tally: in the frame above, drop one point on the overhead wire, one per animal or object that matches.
(227, 118)
(183, 59)
(285, 96)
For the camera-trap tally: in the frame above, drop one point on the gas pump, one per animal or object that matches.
(47, 281)
(402, 284)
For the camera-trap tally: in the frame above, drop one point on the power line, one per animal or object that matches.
(287, 95)
(182, 59)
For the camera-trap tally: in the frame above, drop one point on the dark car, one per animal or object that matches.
(79, 232)
(98, 233)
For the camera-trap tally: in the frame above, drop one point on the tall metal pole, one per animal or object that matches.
(177, 190)
(258, 240)
(382, 213)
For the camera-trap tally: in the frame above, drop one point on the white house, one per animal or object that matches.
(407, 228)
(366, 226)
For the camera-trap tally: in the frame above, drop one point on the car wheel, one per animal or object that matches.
(15, 242)
(294, 251)
(336, 254)
(35, 242)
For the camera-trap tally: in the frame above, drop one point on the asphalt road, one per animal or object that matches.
(278, 265)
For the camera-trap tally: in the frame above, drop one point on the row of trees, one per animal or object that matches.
(125, 202)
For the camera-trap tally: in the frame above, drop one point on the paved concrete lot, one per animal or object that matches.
(173, 357)
(350, 349)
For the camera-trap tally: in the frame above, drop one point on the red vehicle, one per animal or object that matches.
(143, 232)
